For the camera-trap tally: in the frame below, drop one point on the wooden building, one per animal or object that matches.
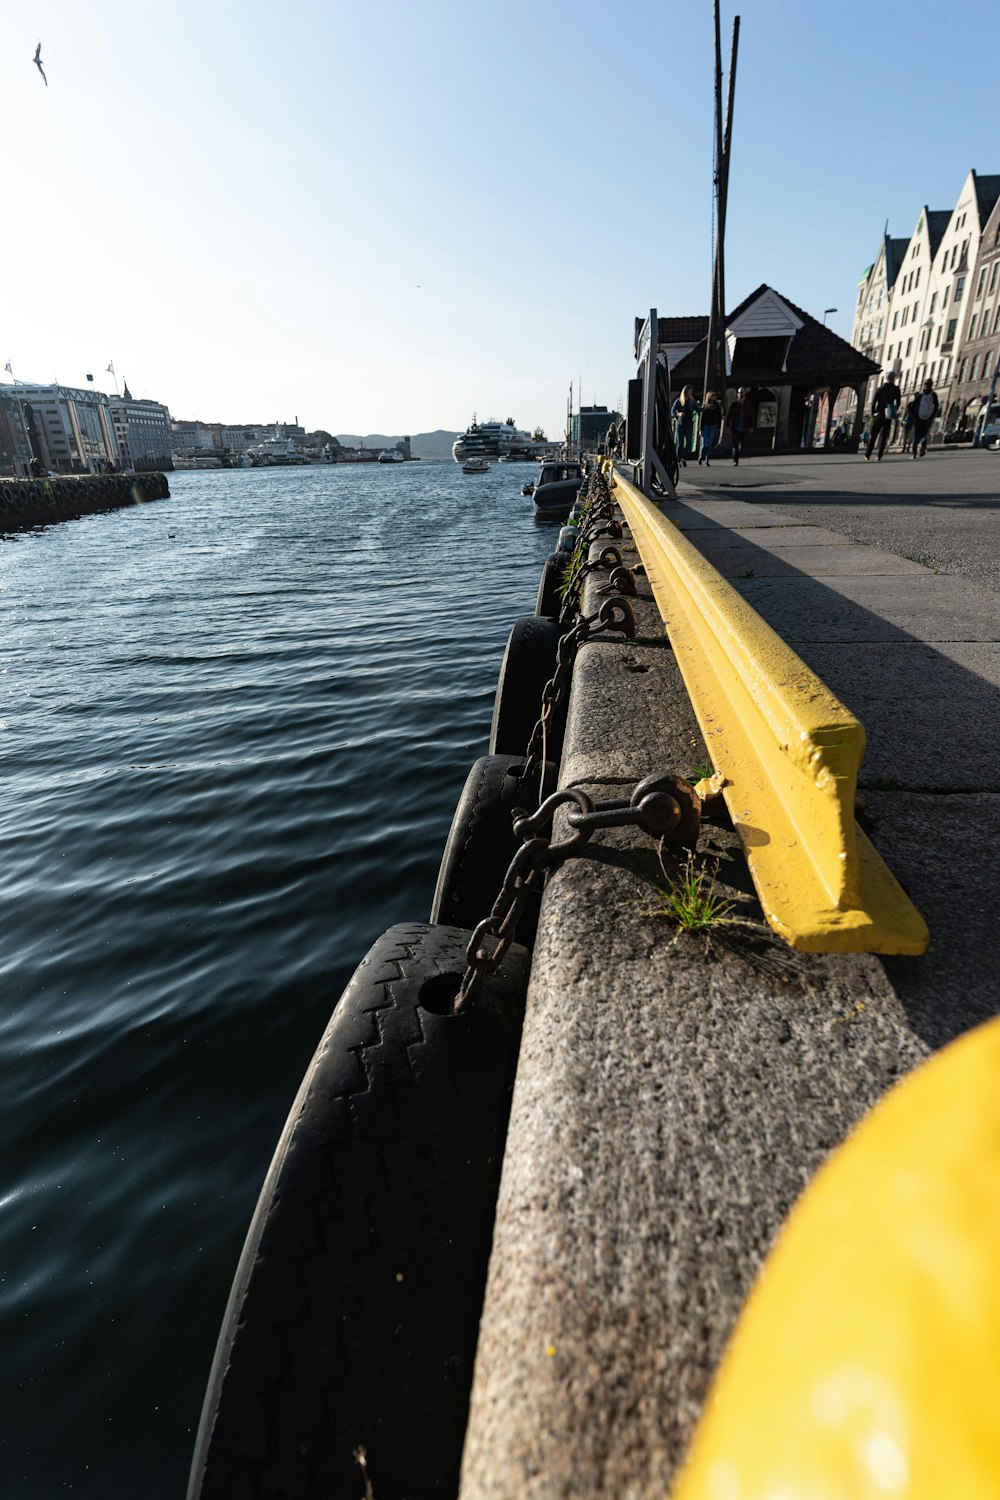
(792, 366)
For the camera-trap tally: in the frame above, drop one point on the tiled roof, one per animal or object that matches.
(815, 353)
(682, 330)
(987, 193)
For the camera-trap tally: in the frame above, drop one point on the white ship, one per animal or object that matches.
(501, 440)
(275, 451)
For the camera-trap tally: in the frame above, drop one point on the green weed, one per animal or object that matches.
(700, 773)
(691, 902)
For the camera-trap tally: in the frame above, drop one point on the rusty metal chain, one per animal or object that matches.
(665, 807)
(615, 613)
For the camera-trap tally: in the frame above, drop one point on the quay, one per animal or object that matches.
(33, 502)
(675, 1094)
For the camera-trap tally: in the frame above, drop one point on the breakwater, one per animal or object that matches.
(32, 502)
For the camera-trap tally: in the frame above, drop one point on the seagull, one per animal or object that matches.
(38, 63)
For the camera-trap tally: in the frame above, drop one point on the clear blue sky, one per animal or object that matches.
(386, 217)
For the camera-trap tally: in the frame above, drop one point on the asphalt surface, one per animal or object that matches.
(940, 510)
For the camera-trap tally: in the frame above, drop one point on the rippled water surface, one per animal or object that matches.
(235, 724)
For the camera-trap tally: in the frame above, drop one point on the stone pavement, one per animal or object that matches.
(676, 1093)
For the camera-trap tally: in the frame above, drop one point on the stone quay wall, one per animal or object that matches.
(33, 502)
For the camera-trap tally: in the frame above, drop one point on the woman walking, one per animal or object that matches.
(683, 411)
(710, 417)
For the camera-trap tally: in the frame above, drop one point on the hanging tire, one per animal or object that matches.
(481, 843)
(547, 602)
(528, 663)
(353, 1319)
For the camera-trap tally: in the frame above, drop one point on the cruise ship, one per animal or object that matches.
(501, 440)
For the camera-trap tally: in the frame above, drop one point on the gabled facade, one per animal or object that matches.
(928, 311)
(871, 312)
(980, 342)
(793, 368)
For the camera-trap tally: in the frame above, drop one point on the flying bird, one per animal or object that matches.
(38, 63)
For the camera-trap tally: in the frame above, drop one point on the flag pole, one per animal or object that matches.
(111, 372)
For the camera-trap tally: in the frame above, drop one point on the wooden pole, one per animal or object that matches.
(720, 238)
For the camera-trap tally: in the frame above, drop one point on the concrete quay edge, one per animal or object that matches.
(675, 1093)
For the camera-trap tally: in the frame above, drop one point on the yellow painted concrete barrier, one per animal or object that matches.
(866, 1365)
(789, 751)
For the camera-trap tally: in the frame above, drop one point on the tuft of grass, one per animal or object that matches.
(700, 773)
(748, 574)
(691, 902)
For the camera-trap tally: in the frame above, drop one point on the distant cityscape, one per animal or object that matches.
(60, 429)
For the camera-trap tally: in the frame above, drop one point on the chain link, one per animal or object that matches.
(665, 807)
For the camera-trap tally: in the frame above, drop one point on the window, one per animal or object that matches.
(961, 370)
(906, 317)
(994, 275)
(954, 256)
(909, 346)
(972, 327)
(916, 279)
(895, 319)
(944, 299)
(952, 325)
(916, 311)
(996, 320)
(933, 307)
(974, 372)
(982, 283)
(959, 288)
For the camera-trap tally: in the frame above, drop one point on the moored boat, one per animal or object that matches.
(476, 466)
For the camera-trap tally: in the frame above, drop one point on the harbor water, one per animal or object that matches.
(235, 725)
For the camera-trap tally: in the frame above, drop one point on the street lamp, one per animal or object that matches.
(826, 314)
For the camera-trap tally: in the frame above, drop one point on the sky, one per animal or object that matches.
(389, 217)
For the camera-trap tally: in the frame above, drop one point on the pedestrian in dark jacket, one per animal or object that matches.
(926, 409)
(683, 411)
(709, 419)
(739, 421)
(885, 409)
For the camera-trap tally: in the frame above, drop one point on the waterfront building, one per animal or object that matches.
(926, 308)
(69, 431)
(793, 367)
(588, 427)
(15, 449)
(191, 438)
(143, 430)
(980, 333)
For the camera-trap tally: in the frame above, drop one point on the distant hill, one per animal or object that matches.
(427, 445)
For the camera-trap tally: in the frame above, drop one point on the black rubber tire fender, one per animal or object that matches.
(482, 843)
(528, 663)
(353, 1319)
(547, 601)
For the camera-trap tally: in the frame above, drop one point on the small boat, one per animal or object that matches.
(556, 489)
(475, 466)
(391, 456)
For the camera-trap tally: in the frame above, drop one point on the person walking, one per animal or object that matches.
(611, 441)
(683, 411)
(709, 419)
(739, 421)
(910, 419)
(926, 409)
(885, 408)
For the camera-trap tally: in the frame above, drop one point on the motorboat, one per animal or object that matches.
(556, 489)
(391, 456)
(476, 466)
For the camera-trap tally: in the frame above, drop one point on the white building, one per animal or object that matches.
(70, 430)
(143, 431)
(912, 322)
(188, 438)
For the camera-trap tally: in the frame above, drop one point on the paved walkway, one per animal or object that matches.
(675, 1093)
